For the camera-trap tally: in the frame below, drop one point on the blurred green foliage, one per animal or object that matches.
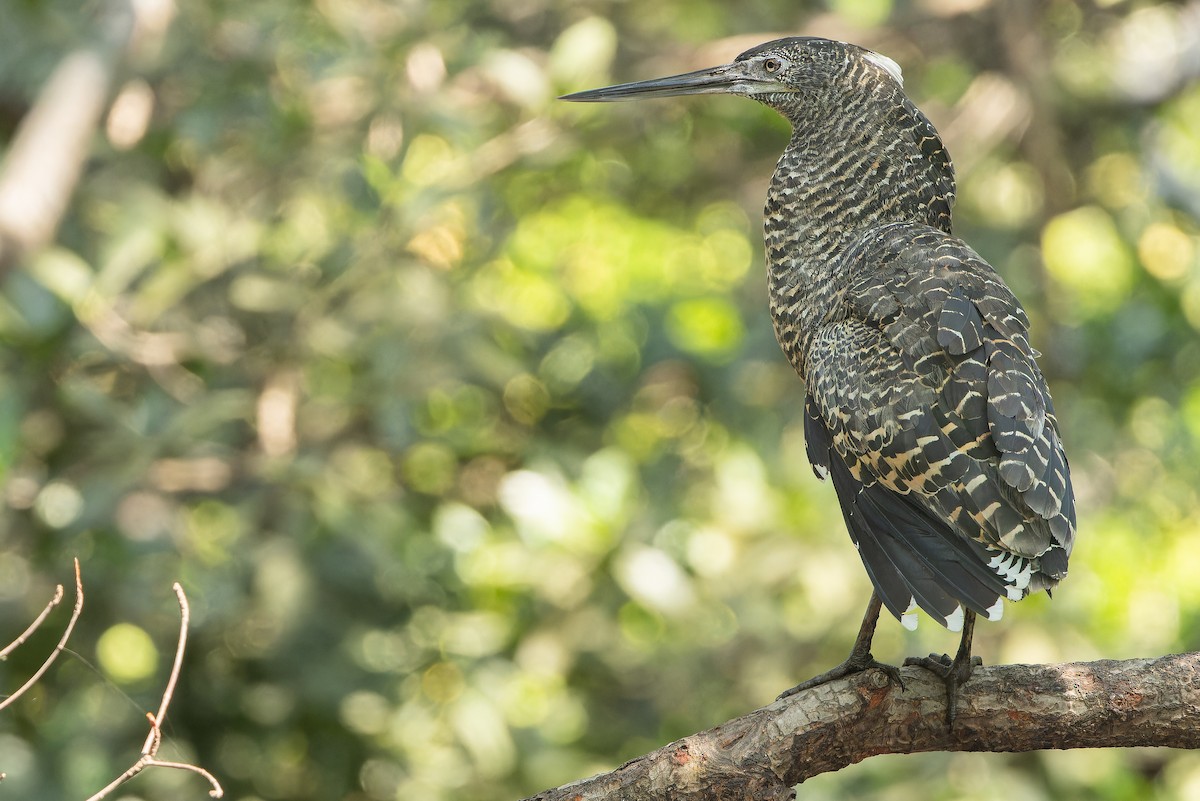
(457, 411)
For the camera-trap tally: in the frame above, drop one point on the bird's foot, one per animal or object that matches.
(855, 664)
(953, 672)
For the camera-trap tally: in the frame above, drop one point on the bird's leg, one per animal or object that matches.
(860, 655)
(954, 672)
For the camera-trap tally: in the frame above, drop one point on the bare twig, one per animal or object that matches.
(150, 748)
(147, 761)
(62, 642)
(763, 755)
(25, 635)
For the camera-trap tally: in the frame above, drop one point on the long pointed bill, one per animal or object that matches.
(727, 79)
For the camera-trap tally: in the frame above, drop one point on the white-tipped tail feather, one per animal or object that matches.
(909, 618)
(996, 610)
(954, 621)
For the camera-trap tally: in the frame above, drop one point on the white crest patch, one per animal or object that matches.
(886, 64)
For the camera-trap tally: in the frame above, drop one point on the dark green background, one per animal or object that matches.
(457, 410)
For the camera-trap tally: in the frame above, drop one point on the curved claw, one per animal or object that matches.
(953, 672)
(855, 664)
(860, 658)
(941, 663)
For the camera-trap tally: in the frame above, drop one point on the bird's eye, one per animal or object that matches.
(772, 65)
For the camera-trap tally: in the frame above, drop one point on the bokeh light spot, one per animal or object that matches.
(127, 654)
(1084, 251)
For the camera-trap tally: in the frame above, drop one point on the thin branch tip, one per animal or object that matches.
(37, 622)
(149, 757)
(62, 641)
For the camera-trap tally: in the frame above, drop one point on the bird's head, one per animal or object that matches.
(785, 74)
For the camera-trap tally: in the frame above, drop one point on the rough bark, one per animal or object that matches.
(763, 755)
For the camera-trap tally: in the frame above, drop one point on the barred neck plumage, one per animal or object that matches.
(858, 159)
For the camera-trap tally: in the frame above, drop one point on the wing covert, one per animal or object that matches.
(929, 389)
